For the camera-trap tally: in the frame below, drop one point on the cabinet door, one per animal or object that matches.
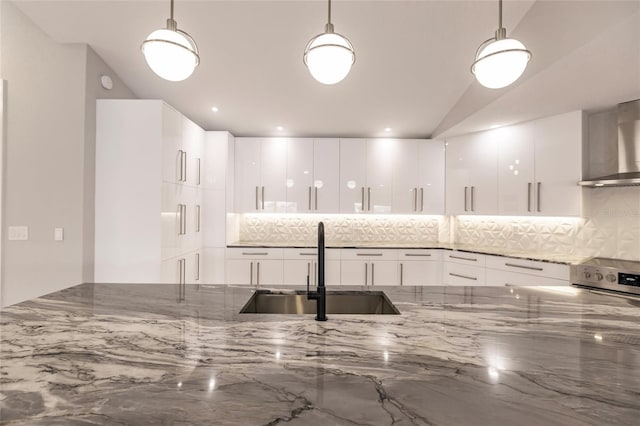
(269, 272)
(431, 177)
(383, 273)
(169, 220)
(558, 165)
(459, 162)
(193, 144)
(381, 155)
(240, 271)
(273, 175)
(326, 175)
(247, 175)
(406, 189)
(353, 166)
(483, 183)
(515, 169)
(420, 273)
(354, 272)
(194, 263)
(172, 160)
(170, 271)
(299, 179)
(296, 271)
(463, 275)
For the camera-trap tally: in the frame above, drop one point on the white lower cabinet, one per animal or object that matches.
(420, 267)
(523, 272)
(369, 267)
(183, 269)
(300, 263)
(249, 266)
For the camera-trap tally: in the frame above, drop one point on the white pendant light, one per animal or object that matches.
(329, 56)
(502, 61)
(171, 53)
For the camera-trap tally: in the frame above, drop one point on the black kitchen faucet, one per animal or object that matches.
(320, 295)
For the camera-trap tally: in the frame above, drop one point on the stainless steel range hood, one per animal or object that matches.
(628, 149)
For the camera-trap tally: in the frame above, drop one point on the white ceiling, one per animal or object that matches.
(412, 68)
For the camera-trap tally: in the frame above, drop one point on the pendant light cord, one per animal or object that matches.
(499, 13)
(172, 10)
(329, 21)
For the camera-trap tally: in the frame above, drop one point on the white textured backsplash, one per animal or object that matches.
(610, 228)
(340, 229)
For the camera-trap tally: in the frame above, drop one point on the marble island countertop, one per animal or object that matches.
(131, 354)
(563, 258)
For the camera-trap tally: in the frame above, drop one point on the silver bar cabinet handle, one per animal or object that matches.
(421, 199)
(529, 185)
(369, 199)
(309, 198)
(539, 186)
(363, 209)
(258, 273)
(180, 168)
(255, 254)
(366, 274)
(263, 198)
(373, 272)
(184, 219)
(401, 273)
(251, 274)
(463, 258)
(533, 268)
(198, 175)
(316, 197)
(417, 254)
(197, 217)
(184, 160)
(463, 276)
(256, 198)
(465, 199)
(368, 254)
(197, 266)
(473, 191)
(415, 199)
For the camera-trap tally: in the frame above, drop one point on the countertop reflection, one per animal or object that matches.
(133, 354)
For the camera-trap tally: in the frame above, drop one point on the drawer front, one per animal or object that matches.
(254, 253)
(310, 253)
(465, 258)
(467, 275)
(369, 255)
(529, 267)
(426, 254)
(500, 278)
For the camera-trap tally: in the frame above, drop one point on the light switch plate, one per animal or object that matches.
(18, 233)
(58, 234)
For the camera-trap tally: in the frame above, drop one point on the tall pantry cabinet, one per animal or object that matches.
(149, 196)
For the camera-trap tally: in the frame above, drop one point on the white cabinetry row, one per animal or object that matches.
(294, 175)
(387, 267)
(149, 193)
(527, 169)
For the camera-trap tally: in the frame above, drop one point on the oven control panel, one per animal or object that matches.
(602, 275)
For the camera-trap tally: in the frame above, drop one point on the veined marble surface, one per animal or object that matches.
(132, 354)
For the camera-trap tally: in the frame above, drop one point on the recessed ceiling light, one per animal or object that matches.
(279, 128)
(214, 109)
(387, 129)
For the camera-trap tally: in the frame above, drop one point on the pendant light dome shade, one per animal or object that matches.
(329, 57)
(171, 53)
(500, 63)
(500, 60)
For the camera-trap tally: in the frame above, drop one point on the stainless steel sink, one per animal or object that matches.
(338, 302)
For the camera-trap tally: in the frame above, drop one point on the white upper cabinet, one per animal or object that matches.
(193, 143)
(516, 169)
(472, 166)
(173, 153)
(353, 175)
(418, 177)
(326, 175)
(539, 166)
(273, 175)
(312, 176)
(299, 179)
(247, 175)
(558, 159)
(380, 159)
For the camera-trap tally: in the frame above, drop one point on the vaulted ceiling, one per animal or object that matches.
(412, 68)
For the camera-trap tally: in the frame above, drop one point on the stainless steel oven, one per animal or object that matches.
(610, 274)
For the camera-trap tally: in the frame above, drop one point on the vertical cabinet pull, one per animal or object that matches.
(198, 172)
(309, 198)
(465, 199)
(251, 274)
(182, 170)
(197, 217)
(369, 199)
(415, 199)
(401, 273)
(529, 196)
(538, 203)
(182, 217)
(263, 198)
(421, 199)
(316, 197)
(473, 206)
(258, 273)
(366, 274)
(181, 279)
(373, 272)
(197, 266)
(362, 204)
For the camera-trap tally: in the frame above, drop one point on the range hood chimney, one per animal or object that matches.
(628, 149)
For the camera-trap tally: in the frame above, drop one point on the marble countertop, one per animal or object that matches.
(562, 258)
(132, 354)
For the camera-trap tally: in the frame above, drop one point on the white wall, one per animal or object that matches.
(50, 150)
